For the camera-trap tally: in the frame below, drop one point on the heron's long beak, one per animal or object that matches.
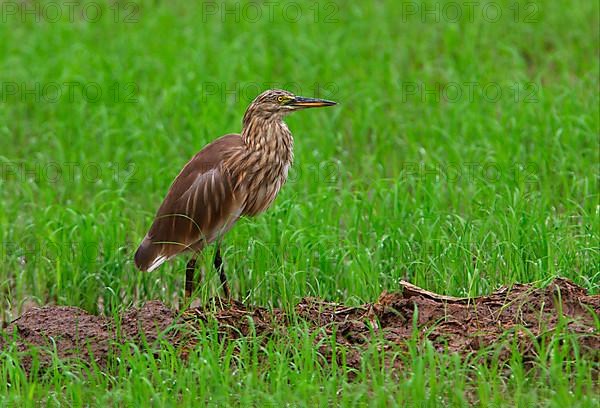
(303, 102)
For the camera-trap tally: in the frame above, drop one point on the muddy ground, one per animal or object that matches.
(521, 313)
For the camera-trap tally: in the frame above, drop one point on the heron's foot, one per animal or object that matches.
(226, 290)
(190, 285)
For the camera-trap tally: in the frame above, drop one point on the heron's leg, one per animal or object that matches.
(221, 270)
(190, 268)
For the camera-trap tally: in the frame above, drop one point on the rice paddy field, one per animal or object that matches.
(463, 156)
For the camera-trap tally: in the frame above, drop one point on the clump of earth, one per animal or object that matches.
(521, 313)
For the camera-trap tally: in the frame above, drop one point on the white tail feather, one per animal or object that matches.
(157, 262)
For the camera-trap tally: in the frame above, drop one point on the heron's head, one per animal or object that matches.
(277, 103)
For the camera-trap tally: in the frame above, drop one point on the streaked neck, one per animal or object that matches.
(264, 132)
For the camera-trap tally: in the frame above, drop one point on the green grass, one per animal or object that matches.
(457, 194)
(254, 371)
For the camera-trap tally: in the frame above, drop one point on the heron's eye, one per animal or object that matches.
(280, 99)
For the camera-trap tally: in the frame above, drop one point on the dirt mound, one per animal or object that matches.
(522, 313)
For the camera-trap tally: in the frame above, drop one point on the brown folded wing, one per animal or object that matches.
(199, 207)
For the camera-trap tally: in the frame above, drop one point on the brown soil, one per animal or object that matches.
(522, 313)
